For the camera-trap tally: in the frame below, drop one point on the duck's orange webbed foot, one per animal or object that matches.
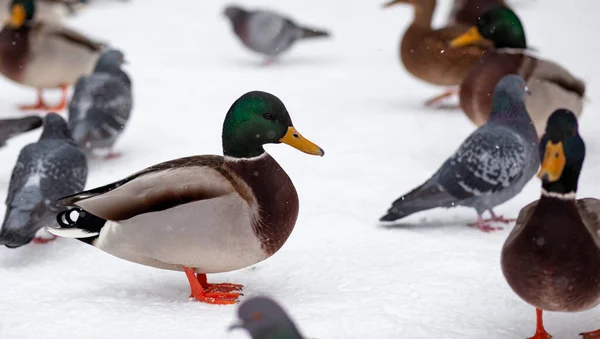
(439, 98)
(540, 331)
(213, 296)
(222, 287)
(590, 335)
(42, 106)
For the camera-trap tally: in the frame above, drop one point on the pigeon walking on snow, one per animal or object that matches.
(490, 167)
(266, 32)
(12, 127)
(263, 318)
(45, 171)
(101, 104)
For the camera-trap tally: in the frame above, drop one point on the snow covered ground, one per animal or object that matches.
(340, 275)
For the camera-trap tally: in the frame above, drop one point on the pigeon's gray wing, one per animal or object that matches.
(488, 161)
(270, 33)
(65, 171)
(21, 171)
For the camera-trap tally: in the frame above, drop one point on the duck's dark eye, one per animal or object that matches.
(268, 116)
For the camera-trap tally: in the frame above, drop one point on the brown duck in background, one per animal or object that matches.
(426, 54)
(551, 86)
(467, 12)
(551, 259)
(44, 55)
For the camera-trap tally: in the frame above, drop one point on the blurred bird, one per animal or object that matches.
(266, 32)
(425, 52)
(551, 85)
(45, 171)
(101, 104)
(263, 318)
(12, 127)
(490, 167)
(467, 12)
(43, 55)
(47, 10)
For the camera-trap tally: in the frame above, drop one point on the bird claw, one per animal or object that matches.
(42, 241)
(590, 335)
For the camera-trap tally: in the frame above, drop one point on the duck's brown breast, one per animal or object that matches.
(477, 88)
(554, 263)
(14, 52)
(276, 197)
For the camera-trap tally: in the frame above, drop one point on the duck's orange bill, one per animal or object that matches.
(554, 162)
(17, 16)
(296, 140)
(468, 38)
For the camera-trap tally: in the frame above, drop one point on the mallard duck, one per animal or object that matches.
(43, 55)
(490, 167)
(47, 10)
(551, 85)
(201, 214)
(425, 52)
(467, 12)
(551, 259)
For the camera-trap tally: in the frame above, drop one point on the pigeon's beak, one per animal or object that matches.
(554, 162)
(468, 38)
(527, 90)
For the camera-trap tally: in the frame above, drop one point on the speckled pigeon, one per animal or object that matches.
(11, 127)
(263, 318)
(101, 104)
(490, 167)
(47, 170)
(266, 32)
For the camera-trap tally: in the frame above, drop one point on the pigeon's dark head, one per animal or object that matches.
(55, 127)
(259, 118)
(21, 11)
(110, 61)
(234, 12)
(498, 24)
(562, 152)
(508, 101)
(263, 318)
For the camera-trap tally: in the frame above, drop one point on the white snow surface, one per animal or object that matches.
(340, 275)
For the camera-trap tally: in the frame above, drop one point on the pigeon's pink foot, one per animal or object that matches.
(112, 155)
(499, 218)
(41, 241)
(483, 226)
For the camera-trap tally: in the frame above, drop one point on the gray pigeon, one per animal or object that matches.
(12, 127)
(45, 171)
(266, 32)
(101, 104)
(263, 318)
(490, 167)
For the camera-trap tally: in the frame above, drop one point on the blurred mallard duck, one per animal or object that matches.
(425, 52)
(551, 86)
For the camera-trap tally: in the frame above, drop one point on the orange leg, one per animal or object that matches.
(223, 287)
(540, 332)
(436, 99)
(590, 335)
(40, 105)
(200, 294)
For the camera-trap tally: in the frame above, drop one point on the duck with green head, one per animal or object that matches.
(551, 259)
(552, 86)
(201, 214)
(43, 55)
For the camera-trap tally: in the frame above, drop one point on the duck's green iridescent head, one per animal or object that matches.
(498, 24)
(259, 118)
(21, 11)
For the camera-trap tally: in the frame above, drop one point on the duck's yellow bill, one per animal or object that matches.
(554, 162)
(296, 140)
(468, 38)
(17, 16)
